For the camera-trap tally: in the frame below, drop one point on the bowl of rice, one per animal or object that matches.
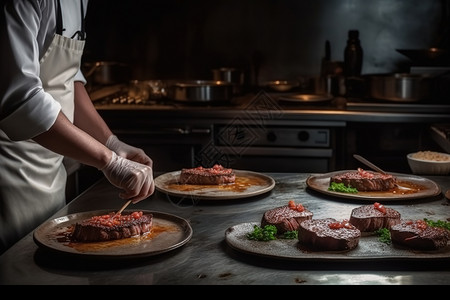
(429, 163)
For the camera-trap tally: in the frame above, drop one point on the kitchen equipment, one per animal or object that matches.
(307, 98)
(399, 87)
(427, 57)
(106, 72)
(282, 85)
(122, 208)
(232, 75)
(201, 91)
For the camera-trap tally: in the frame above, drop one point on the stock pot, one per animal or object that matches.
(399, 87)
(201, 91)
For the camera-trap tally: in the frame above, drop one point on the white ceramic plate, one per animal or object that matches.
(248, 184)
(411, 187)
(169, 232)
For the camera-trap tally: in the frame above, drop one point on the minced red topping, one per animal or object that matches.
(419, 224)
(380, 207)
(339, 225)
(298, 207)
(111, 220)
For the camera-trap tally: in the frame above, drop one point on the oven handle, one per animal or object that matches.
(282, 151)
(167, 130)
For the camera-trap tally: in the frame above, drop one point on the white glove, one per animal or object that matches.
(135, 179)
(127, 151)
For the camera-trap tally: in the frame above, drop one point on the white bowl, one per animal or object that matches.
(429, 163)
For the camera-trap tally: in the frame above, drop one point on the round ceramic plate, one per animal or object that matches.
(410, 187)
(168, 233)
(248, 184)
(369, 248)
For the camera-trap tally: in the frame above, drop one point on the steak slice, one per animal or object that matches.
(111, 227)
(365, 181)
(287, 217)
(418, 235)
(207, 176)
(328, 235)
(368, 218)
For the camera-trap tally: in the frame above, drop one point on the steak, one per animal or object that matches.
(287, 217)
(418, 235)
(365, 181)
(328, 235)
(207, 176)
(112, 227)
(369, 218)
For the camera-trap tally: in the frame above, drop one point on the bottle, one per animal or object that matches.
(353, 55)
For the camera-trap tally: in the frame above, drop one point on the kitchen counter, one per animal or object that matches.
(206, 259)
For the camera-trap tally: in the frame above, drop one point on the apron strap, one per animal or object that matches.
(59, 24)
(81, 33)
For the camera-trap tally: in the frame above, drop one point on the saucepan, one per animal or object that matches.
(106, 72)
(201, 91)
(399, 87)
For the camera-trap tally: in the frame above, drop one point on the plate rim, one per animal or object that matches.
(179, 221)
(434, 192)
(270, 185)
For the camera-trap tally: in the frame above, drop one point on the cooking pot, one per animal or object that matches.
(106, 72)
(233, 75)
(400, 87)
(201, 91)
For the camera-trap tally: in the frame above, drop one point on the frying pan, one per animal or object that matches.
(201, 91)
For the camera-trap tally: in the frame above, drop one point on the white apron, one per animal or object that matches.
(33, 179)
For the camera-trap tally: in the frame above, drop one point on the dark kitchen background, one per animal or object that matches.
(280, 39)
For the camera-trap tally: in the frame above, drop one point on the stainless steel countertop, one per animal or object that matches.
(207, 259)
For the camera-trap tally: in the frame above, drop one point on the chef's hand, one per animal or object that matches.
(127, 151)
(135, 179)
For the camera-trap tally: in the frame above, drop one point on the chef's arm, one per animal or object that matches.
(135, 179)
(88, 119)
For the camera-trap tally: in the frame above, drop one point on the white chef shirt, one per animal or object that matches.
(26, 30)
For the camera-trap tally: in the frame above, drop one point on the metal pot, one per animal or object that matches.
(399, 87)
(232, 75)
(107, 72)
(201, 91)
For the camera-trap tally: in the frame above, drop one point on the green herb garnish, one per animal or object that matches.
(263, 234)
(438, 223)
(342, 188)
(290, 235)
(384, 235)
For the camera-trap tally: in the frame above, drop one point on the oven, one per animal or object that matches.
(300, 147)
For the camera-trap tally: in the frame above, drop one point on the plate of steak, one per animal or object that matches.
(287, 217)
(215, 183)
(373, 186)
(369, 218)
(94, 235)
(215, 175)
(417, 234)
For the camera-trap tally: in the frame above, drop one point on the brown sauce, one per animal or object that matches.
(64, 238)
(240, 185)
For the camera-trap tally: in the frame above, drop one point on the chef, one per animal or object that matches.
(46, 114)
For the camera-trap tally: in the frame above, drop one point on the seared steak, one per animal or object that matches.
(207, 176)
(110, 227)
(418, 235)
(365, 181)
(328, 235)
(369, 218)
(287, 217)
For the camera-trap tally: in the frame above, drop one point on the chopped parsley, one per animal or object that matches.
(269, 232)
(384, 235)
(342, 188)
(438, 223)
